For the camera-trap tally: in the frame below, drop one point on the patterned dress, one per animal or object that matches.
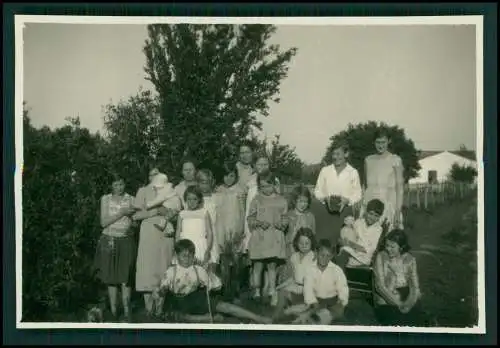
(269, 243)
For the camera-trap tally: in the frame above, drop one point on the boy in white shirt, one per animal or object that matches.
(359, 241)
(326, 293)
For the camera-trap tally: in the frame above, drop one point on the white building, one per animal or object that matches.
(436, 165)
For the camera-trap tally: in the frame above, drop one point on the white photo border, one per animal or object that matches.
(477, 21)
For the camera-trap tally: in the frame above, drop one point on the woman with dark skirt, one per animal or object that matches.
(115, 254)
(397, 285)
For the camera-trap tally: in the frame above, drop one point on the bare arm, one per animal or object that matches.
(399, 169)
(178, 230)
(210, 234)
(107, 219)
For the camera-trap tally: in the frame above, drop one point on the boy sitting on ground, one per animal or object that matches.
(326, 293)
(190, 293)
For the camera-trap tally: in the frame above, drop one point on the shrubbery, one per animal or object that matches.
(62, 181)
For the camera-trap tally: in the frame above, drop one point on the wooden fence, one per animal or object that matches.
(424, 196)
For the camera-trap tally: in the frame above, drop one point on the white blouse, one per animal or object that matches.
(345, 184)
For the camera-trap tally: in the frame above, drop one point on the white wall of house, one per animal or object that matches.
(442, 163)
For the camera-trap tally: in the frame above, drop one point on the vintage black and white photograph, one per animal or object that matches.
(250, 173)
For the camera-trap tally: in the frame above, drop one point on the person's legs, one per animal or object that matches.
(257, 274)
(239, 312)
(113, 299)
(271, 275)
(126, 292)
(148, 302)
(283, 296)
(336, 311)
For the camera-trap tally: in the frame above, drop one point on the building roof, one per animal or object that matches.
(471, 155)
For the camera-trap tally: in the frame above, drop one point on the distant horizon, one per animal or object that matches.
(420, 78)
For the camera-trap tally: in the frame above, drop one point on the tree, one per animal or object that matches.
(464, 173)
(213, 81)
(133, 129)
(361, 139)
(283, 160)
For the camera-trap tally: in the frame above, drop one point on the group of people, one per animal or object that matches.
(184, 230)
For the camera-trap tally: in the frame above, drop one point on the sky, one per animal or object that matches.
(421, 78)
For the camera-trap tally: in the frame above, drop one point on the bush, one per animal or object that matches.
(62, 181)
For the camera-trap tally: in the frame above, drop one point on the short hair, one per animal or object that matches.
(304, 232)
(194, 189)
(399, 237)
(208, 173)
(300, 190)
(325, 244)
(376, 206)
(247, 143)
(268, 177)
(185, 244)
(227, 168)
(114, 177)
(382, 133)
(340, 144)
(189, 160)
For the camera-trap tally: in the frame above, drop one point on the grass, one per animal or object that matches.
(444, 243)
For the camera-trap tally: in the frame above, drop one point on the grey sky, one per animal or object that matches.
(421, 78)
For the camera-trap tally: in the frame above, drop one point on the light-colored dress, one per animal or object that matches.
(269, 243)
(155, 250)
(229, 214)
(252, 190)
(193, 228)
(381, 184)
(210, 203)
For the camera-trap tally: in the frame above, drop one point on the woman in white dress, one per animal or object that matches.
(384, 180)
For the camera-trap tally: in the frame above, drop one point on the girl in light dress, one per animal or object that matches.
(384, 180)
(205, 181)
(267, 222)
(230, 208)
(194, 223)
(290, 295)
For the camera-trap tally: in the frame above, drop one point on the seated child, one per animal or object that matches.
(359, 240)
(166, 196)
(326, 293)
(290, 291)
(188, 290)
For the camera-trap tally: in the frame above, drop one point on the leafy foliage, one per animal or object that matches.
(465, 174)
(361, 139)
(283, 159)
(63, 176)
(213, 81)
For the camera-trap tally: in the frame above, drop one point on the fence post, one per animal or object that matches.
(418, 197)
(426, 192)
(461, 189)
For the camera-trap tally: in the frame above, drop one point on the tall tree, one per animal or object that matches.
(361, 141)
(213, 82)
